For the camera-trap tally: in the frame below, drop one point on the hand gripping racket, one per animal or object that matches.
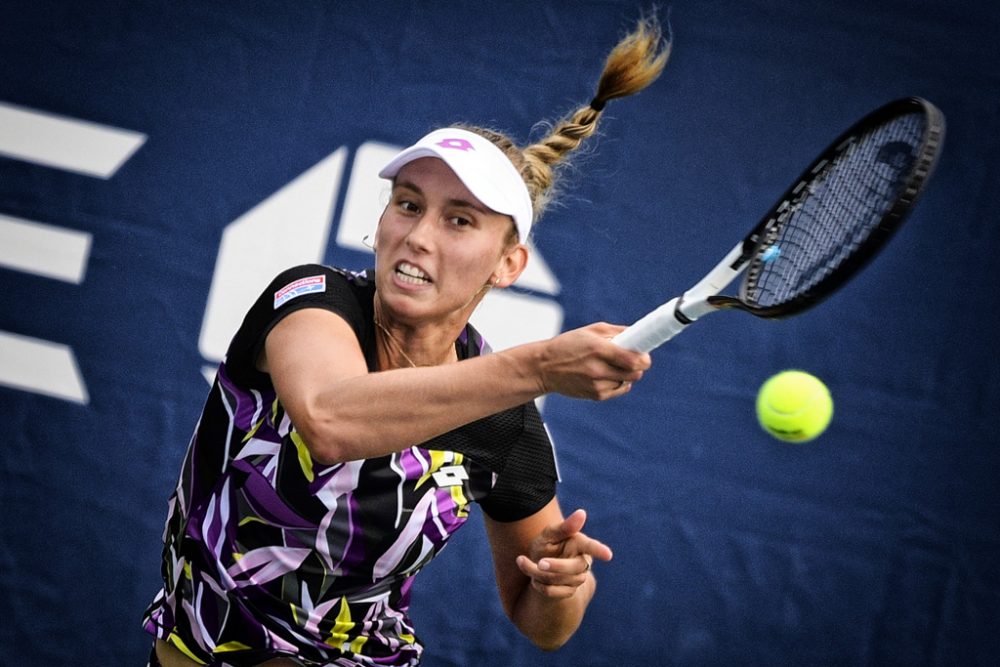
(825, 228)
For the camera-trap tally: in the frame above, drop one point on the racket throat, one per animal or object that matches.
(679, 314)
(691, 307)
(655, 328)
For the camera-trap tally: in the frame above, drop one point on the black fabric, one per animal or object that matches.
(345, 294)
(513, 444)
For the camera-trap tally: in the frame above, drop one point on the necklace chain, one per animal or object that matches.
(395, 342)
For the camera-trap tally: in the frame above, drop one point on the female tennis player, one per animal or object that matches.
(358, 415)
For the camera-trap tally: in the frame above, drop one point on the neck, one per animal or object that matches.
(401, 346)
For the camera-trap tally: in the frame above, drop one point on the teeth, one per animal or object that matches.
(411, 274)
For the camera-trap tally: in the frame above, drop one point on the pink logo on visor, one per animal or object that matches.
(460, 144)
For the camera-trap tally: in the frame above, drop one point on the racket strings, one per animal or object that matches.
(834, 211)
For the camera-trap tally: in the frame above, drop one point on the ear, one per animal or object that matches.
(511, 266)
(378, 228)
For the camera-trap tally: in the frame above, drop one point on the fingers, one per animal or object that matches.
(560, 577)
(588, 546)
(618, 356)
(623, 366)
(613, 388)
(564, 557)
(585, 363)
(566, 528)
(621, 387)
(565, 538)
(556, 577)
(609, 368)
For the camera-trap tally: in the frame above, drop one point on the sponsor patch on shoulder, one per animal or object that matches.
(299, 287)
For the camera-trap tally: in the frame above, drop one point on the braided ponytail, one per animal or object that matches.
(635, 62)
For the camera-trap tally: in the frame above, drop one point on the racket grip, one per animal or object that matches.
(652, 330)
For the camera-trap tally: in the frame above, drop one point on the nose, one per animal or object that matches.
(420, 237)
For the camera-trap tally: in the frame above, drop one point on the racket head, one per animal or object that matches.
(836, 217)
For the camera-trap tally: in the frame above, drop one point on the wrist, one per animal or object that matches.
(524, 363)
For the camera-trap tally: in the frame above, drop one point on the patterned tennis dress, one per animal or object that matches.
(267, 553)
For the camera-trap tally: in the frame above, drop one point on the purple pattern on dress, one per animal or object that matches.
(292, 569)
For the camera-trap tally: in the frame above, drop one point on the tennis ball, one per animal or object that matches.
(794, 406)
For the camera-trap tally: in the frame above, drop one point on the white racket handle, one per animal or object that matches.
(653, 330)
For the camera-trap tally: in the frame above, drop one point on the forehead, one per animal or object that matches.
(433, 177)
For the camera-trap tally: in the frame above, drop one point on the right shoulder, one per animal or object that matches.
(311, 279)
(346, 293)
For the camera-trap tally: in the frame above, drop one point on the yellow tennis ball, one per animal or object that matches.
(794, 406)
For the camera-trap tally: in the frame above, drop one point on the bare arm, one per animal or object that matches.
(542, 565)
(344, 413)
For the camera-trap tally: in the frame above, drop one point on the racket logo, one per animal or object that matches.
(897, 154)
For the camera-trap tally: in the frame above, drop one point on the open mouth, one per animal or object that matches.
(412, 275)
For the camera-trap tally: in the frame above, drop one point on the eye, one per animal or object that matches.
(459, 221)
(407, 205)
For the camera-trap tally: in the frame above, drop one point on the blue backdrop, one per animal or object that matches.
(142, 137)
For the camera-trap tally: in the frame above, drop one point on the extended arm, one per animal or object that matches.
(342, 412)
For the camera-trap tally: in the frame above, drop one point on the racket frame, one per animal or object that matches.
(920, 172)
(666, 321)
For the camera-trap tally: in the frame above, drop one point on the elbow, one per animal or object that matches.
(549, 644)
(549, 628)
(323, 437)
(549, 636)
(321, 449)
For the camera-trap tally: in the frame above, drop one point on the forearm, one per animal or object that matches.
(549, 622)
(342, 412)
(379, 413)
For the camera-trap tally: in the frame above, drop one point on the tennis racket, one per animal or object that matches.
(825, 228)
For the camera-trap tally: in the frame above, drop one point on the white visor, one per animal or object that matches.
(488, 174)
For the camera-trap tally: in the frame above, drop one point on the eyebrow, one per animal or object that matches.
(409, 185)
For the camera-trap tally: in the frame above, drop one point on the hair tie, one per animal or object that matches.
(597, 105)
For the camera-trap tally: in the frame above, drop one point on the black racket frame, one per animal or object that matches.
(756, 242)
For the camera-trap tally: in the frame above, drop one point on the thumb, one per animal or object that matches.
(568, 527)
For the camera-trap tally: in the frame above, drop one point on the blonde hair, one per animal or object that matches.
(634, 63)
